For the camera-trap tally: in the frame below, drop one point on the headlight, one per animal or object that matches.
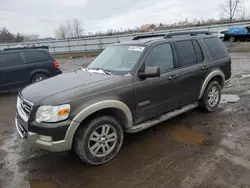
(52, 114)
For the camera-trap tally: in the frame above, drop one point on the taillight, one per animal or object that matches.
(56, 65)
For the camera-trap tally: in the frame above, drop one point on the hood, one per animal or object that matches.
(62, 83)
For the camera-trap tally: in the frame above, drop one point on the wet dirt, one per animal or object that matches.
(42, 184)
(186, 136)
(196, 149)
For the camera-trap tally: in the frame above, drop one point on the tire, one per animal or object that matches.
(209, 101)
(39, 77)
(232, 39)
(87, 141)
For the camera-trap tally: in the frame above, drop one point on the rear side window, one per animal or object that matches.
(198, 52)
(10, 59)
(216, 48)
(36, 56)
(186, 53)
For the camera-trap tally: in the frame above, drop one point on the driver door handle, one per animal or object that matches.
(205, 67)
(172, 77)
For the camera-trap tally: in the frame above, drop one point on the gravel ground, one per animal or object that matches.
(196, 149)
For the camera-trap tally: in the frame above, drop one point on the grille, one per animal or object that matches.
(24, 108)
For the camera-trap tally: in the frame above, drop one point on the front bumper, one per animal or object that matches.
(34, 140)
(56, 146)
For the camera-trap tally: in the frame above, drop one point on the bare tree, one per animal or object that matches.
(77, 28)
(230, 7)
(61, 32)
(70, 29)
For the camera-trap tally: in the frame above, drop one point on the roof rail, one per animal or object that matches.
(148, 36)
(27, 48)
(192, 33)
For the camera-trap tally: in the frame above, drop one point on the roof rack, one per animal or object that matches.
(192, 33)
(171, 34)
(27, 48)
(148, 36)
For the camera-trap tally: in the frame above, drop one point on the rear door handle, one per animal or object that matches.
(173, 77)
(204, 67)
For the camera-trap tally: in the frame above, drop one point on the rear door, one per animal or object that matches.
(193, 69)
(11, 67)
(37, 61)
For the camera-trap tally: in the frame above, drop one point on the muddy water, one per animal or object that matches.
(186, 136)
(42, 184)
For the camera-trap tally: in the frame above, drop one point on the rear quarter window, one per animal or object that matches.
(216, 47)
(10, 59)
(39, 56)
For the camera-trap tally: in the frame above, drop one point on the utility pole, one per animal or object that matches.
(244, 9)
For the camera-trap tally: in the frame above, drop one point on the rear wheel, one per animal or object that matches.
(231, 39)
(99, 141)
(211, 97)
(39, 77)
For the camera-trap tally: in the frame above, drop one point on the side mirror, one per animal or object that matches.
(150, 72)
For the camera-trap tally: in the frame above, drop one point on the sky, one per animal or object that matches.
(43, 16)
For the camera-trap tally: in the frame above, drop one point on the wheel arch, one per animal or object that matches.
(110, 107)
(38, 71)
(217, 75)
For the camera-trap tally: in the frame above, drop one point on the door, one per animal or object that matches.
(193, 69)
(11, 65)
(156, 96)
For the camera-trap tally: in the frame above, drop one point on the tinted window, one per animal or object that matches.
(223, 32)
(10, 59)
(161, 56)
(36, 56)
(198, 52)
(186, 53)
(216, 48)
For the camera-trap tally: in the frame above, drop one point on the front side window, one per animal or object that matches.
(118, 59)
(161, 56)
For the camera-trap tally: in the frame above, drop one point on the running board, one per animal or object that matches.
(159, 119)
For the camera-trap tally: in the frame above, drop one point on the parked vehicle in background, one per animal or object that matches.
(24, 66)
(221, 34)
(238, 34)
(129, 87)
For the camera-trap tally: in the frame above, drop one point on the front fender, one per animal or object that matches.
(86, 112)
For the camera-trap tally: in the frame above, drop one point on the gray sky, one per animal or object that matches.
(43, 16)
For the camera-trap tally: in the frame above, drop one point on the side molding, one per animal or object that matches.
(94, 108)
(208, 79)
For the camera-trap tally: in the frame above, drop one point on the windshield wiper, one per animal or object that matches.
(103, 70)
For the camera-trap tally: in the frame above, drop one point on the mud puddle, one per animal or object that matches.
(186, 136)
(227, 98)
(43, 184)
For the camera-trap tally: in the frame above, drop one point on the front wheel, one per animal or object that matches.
(99, 141)
(211, 97)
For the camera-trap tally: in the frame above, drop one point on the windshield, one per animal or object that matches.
(117, 59)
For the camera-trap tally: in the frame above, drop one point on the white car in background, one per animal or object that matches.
(221, 34)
